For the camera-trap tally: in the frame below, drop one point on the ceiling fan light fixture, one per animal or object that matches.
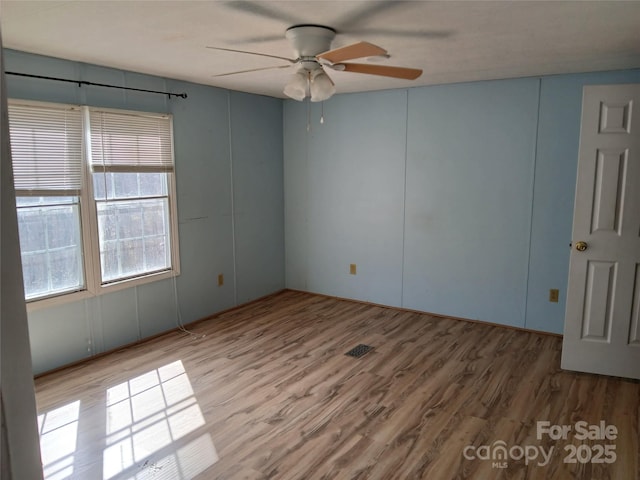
(322, 88)
(296, 88)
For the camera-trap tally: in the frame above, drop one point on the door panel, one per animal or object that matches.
(608, 194)
(596, 318)
(602, 331)
(615, 117)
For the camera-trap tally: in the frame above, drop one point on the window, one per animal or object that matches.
(51, 245)
(95, 195)
(130, 158)
(47, 151)
(133, 224)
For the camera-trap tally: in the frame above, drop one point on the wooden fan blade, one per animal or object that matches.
(383, 70)
(251, 70)
(356, 50)
(253, 53)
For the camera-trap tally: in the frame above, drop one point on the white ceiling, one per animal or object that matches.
(452, 41)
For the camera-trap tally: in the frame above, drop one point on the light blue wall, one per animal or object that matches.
(258, 194)
(453, 199)
(470, 157)
(228, 151)
(336, 211)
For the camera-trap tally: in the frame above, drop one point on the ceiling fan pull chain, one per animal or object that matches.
(308, 114)
(321, 112)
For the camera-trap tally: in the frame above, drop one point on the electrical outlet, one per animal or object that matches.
(352, 269)
(220, 280)
(554, 295)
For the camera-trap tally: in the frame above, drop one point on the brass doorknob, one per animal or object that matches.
(581, 246)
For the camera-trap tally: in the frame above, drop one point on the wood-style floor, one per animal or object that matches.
(269, 393)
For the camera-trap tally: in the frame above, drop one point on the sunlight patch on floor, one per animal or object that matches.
(58, 431)
(146, 414)
(150, 431)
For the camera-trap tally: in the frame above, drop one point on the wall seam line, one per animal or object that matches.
(531, 211)
(404, 196)
(233, 208)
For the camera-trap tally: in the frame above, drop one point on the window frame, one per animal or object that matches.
(83, 261)
(89, 219)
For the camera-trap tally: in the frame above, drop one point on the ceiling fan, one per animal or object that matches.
(312, 47)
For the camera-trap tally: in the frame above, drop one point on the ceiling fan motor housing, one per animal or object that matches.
(310, 40)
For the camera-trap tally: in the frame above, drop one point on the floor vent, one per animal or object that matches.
(359, 351)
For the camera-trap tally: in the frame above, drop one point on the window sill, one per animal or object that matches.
(64, 298)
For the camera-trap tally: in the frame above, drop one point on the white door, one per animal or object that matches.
(602, 331)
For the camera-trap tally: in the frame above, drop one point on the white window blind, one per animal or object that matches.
(124, 142)
(46, 148)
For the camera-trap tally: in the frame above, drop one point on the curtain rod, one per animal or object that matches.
(84, 82)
